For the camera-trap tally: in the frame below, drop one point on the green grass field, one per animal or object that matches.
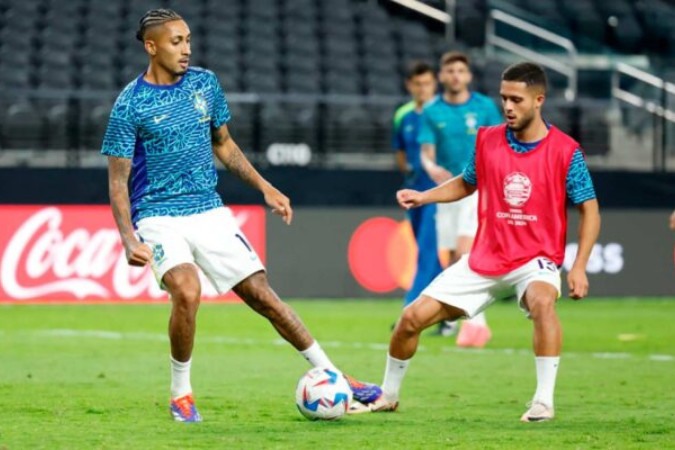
(84, 377)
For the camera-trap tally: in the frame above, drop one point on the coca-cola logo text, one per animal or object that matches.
(75, 253)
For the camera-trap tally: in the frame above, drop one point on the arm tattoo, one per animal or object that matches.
(219, 136)
(233, 158)
(118, 177)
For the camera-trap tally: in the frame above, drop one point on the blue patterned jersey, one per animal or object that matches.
(166, 131)
(578, 185)
(406, 128)
(452, 128)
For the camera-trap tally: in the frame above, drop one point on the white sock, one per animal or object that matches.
(547, 370)
(478, 319)
(393, 377)
(317, 357)
(180, 378)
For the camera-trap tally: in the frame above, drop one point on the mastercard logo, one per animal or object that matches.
(382, 255)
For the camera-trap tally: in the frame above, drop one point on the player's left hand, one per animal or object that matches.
(577, 281)
(279, 203)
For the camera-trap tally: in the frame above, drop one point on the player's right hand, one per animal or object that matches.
(138, 253)
(409, 198)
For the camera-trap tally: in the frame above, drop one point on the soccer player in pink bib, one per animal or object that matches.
(525, 171)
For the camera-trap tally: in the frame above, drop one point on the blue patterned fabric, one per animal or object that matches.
(406, 128)
(452, 128)
(166, 131)
(579, 185)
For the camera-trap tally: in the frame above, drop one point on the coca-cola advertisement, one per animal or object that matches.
(74, 254)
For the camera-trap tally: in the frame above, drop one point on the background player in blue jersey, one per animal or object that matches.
(421, 84)
(164, 130)
(448, 138)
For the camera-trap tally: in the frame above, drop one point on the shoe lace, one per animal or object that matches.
(533, 403)
(184, 404)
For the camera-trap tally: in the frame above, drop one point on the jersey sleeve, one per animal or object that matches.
(120, 136)
(426, 133)
(221, 111)
(396, 137)
(579, 184)
(494, 116)
(469, 173)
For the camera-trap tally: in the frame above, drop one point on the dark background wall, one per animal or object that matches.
(309, 187)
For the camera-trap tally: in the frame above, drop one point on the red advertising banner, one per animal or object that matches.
(74, 254)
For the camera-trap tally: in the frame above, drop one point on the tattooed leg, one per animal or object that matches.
(257, 293)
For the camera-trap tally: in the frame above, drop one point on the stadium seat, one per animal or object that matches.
(346, 83)
(242, 125)
(350, 130)
(594, 132)
(301, 62)
(11, 58)
(14, 78)
(276, 125)
(229, 81)
(303, 83)
(93, 77)
(261, 82)
(93, 121)
(301, 47)
(12, 38)
(378, 85)
(303, 11)
(22, 127)
(54, 78)
(261, 61)
(57, 125)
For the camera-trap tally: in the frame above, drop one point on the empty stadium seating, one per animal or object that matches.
(78, 53)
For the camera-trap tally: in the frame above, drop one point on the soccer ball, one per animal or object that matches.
(323, 394)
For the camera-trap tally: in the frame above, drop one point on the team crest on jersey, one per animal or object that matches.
(517, 189)
(201, 106)
(158, 254)
(471, 122)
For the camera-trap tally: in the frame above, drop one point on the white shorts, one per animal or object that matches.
(211, 240)
(456, 219)
(461, 287)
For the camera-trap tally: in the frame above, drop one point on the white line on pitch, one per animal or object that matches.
(115, 335)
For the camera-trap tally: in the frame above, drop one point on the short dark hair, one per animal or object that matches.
(529, 73)
(153, 18)
(452, 57)
(418, 68)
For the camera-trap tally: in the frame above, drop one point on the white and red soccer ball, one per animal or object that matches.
(323, 394)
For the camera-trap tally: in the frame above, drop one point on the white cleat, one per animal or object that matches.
(538, 412)
(379, 405)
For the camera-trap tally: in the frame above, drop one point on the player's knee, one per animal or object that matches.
(541, 306)
(409, 322)
(187, 293)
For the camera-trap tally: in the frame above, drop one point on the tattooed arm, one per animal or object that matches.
(138, 254)
(229, 153)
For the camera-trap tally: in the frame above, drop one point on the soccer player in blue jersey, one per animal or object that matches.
(421, 84)
(164, 130)
(448, 137)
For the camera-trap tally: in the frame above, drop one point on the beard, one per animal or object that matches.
(523, 123)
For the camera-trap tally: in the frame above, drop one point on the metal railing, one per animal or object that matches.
(567, 68)
(657, 107)
(447, 17)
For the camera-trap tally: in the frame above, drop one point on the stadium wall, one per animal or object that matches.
(309, 187)
(73, 253)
